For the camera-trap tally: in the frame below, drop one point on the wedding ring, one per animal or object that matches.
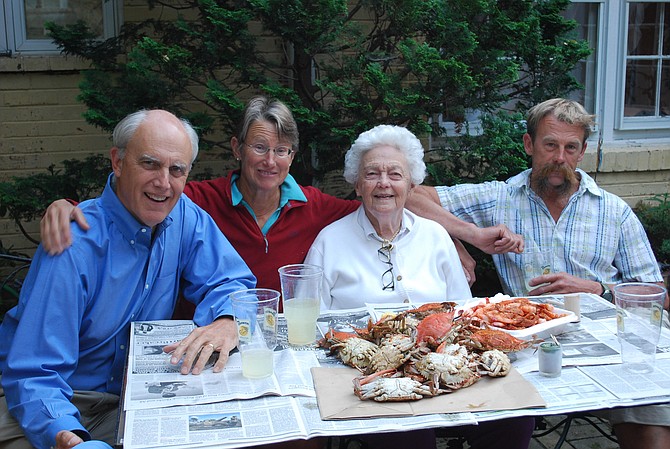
(210, 344)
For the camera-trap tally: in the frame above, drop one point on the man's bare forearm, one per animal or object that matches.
(424, 202)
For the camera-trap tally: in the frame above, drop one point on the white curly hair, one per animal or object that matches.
(392, 135)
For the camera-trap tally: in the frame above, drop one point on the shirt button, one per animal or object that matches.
(132, 242)
(146, 286)
(406, 301)
(111, 379)
(144, 230)
(399, 278)
(122, 347)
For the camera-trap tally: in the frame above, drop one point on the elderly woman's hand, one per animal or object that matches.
(195, 350)
(497, 240)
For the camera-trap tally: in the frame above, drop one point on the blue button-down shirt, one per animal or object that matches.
(597, 237)
(70, 329)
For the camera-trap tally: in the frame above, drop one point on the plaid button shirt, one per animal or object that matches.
(597, 237)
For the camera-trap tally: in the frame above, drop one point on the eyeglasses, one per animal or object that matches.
(262, 150)
(384, 254)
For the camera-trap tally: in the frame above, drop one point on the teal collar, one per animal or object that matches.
(289, 191)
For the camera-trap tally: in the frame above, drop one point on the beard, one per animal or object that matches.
(540, 180)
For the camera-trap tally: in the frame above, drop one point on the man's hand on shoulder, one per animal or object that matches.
(195, 350)
(55, 226)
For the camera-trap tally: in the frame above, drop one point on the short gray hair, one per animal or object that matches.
(126, 128)
(395, 136)
(273, 111)
(566, 111)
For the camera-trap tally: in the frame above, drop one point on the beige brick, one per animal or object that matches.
(40, 97)
(25, 113)
(66, 145)
(70, 128)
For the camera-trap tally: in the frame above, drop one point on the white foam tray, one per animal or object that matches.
(539, 331)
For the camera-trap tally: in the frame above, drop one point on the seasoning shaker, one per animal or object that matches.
(550, 359)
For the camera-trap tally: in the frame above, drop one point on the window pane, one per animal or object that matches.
(665, 89)
(586, 16)
(643, 28)
(640, 89)
(666, 31)
(62, 12)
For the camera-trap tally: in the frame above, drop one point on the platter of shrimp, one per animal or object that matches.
(522, 317)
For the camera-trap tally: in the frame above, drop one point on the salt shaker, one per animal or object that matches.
(550, 359)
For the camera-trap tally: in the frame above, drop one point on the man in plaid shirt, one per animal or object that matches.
(590, 238)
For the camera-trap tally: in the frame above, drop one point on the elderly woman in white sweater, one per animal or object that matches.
(382, 252)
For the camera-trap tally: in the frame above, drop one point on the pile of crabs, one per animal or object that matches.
(430, 350)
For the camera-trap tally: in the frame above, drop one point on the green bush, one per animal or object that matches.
(654, 213)
(24, 199)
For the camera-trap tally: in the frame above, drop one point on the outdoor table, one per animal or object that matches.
(592, 378)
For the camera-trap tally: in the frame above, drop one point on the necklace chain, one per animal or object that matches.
(387, 242)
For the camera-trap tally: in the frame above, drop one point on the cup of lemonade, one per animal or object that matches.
(301, 300)
(255, 312)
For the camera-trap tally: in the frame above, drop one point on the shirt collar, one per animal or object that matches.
(127, 224)
(289, 190)
(364, 222)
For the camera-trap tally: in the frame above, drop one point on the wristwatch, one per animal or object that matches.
(606, 294)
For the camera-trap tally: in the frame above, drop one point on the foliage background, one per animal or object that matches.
(342, 67)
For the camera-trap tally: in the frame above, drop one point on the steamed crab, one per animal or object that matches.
(434, 328)
(393, 352)
(351, 349)
(387, 385)
(494, 363)
(452, 367)
(487, 339)
(414, 317)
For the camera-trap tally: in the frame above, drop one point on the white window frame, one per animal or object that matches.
(14, 39)
(633, 123)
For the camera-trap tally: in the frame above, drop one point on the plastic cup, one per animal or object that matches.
(639, 309)
(301, 300)
(535, 263)
(255, 312)
(572, 302)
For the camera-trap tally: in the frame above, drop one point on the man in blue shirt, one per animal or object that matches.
(63, 348)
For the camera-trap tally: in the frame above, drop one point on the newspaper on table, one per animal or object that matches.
(591, 379)
(269, 419)
(153, 382)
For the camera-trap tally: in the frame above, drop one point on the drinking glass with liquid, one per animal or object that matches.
(255, 312)
(301, 301)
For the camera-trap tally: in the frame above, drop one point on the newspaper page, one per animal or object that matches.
(625, 385)
(269, 419)
(153, 382)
